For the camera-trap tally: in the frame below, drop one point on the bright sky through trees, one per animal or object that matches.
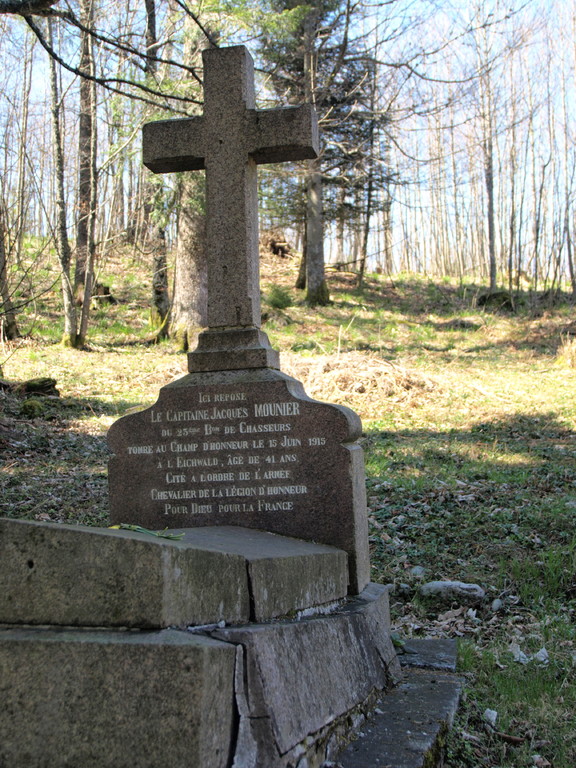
(478, 142)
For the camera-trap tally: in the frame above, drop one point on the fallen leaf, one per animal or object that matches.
(540, 761)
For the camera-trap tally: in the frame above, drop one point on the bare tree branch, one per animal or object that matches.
(107, 82)
(114, 44)
(211, 38)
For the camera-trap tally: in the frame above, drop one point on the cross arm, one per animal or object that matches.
(173, 145)
(284, 134)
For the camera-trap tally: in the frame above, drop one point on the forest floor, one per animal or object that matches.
(470, 440)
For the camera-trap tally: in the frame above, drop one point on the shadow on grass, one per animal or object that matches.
(462, 501)
(418, 296)
(53, 471)
(533, 328)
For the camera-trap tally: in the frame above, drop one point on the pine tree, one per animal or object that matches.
(313, 57)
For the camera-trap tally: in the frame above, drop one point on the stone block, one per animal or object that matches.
(97, 577)
(89, 699)
(408, 728)
(245, 448)
(284, 574)
(300, 676)
(232, 349)
(440, 654)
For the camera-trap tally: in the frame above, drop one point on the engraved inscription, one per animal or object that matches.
(227, 453)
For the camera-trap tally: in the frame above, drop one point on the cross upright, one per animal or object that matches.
(228, 141)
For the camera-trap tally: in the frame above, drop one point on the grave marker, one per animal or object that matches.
(237, 442)
(229, 140)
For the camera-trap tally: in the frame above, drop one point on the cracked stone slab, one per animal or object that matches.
(113, 699)
(408, 727)
(285, 575)
(300, 676)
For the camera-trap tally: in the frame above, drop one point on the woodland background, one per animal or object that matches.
(448, 144)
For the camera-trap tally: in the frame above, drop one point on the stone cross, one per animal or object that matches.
(228, 141)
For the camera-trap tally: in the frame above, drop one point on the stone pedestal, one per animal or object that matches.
(96, 577)
(91, 684)
(114, 699)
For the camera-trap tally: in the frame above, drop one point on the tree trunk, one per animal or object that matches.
(316, 287)
(369, 190)
(23, 194)
(570, 256)
(8, 325)
(155, 233)
(63, 249)
(300, 283)
(489, 179)
(190, 295)
(86, 129)
(85, 244)
(190, 304)
(160, 296)
(340, 225)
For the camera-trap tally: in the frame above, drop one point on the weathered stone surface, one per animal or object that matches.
(284, 575)
(80, 576)
(300, 676)
(228, 141)
(231, 350)
(115, 699)
(408, 727)
(246, 448)
(448, 592)
(438, 654)
(77, 576)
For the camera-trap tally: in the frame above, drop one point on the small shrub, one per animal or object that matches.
(32, 408)
(279, 298)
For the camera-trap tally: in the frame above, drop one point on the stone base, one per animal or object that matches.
(86, 699)
(407, 728)
(270, 695)
(299, 682)
(97, 577)
(232, 349)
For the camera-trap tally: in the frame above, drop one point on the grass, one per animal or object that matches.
(470, 455)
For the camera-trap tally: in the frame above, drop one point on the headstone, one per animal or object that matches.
(237, 442)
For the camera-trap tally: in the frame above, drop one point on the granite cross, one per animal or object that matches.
(229, 140)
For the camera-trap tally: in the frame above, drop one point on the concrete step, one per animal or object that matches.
(78, 576)
(408, 727)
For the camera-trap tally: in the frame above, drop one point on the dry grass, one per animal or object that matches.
(360, 381)
(567, 351)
